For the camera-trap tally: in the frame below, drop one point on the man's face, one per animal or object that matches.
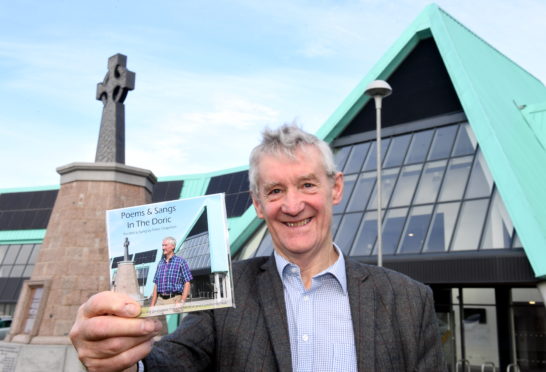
(295, 199)
(167, 247)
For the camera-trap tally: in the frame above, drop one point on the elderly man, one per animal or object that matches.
(305, 308)
(172, 277)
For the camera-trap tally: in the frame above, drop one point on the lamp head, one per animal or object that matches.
(378, 88)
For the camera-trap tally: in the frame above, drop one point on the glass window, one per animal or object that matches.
(470, 225)
(481, 181)
(466, 142)
(397, 151)
(526, 295)
(456, 177)
(388, 179)
(442, 142)
(348, 184)
(24, 253)
(356, 158)
(392, 228)
(11, 254)
(498, 228)
(419, 147)
(437, 203)
(367, 233)
(17, 271)
(441, 228)
(371, 161)
(3, 249)
(479, 296)
(405, 187)
(430, 182)
(362, 192)
(347, 231)
(5, 270)
(517, 242)
(28, 271)
(416, 229)
(340, 157)
(34, 254)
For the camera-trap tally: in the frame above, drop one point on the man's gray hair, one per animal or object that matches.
(170, 240)
(286, 140)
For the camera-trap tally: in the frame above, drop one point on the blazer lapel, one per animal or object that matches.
(271, 297)
(362, 299)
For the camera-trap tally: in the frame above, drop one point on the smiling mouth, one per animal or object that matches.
(299, 223)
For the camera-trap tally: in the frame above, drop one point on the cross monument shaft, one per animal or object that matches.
(112, 92)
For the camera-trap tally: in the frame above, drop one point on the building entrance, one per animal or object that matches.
(529, 322)
(493, 329)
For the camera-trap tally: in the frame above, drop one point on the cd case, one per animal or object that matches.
(173, 256)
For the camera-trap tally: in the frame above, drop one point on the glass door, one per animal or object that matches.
(476, 339)
(529, 329)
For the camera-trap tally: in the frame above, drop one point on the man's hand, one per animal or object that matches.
(107, 335)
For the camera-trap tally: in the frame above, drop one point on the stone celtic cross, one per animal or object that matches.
(112, 92)
(126, 250)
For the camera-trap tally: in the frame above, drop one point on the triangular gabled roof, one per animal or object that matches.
(505, 106)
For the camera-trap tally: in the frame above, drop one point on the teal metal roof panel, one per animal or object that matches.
(535, 115)
(492, 90)
(29, 189)
(22, 236)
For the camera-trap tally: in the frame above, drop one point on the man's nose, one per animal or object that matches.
(292, 203)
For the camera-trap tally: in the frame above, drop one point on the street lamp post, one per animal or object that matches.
(378, 89)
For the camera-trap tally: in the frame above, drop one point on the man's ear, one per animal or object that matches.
(337, 189)
(257, 206)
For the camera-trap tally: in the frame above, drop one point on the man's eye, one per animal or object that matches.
(308, 185)
(274, 191)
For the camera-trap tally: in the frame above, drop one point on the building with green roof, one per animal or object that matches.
(463, 143)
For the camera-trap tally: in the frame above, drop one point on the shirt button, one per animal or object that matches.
(305, 338)
(294, 270)
(306, 298)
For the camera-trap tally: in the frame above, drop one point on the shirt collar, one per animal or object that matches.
(163, 258)
(337, 269)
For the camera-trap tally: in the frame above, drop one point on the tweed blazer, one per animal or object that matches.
(394, 323)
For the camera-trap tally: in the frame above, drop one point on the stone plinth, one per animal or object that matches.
(126, 280)
(73, 262)
(39, 358)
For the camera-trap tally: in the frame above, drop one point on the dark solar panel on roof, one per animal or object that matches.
(229, 183)
(236, 188)
(41, 217)
(48, 199)
(166, 191)
(242, 203)
(140, 258)
(26, 210)
(117, 259)
(28, 200)
(145, 257)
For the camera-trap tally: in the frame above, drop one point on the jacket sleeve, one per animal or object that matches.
(189, 348)
(430, 356)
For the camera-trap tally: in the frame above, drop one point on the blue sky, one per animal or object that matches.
(210, 75)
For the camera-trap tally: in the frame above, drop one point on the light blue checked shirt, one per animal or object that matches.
(319, 319)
